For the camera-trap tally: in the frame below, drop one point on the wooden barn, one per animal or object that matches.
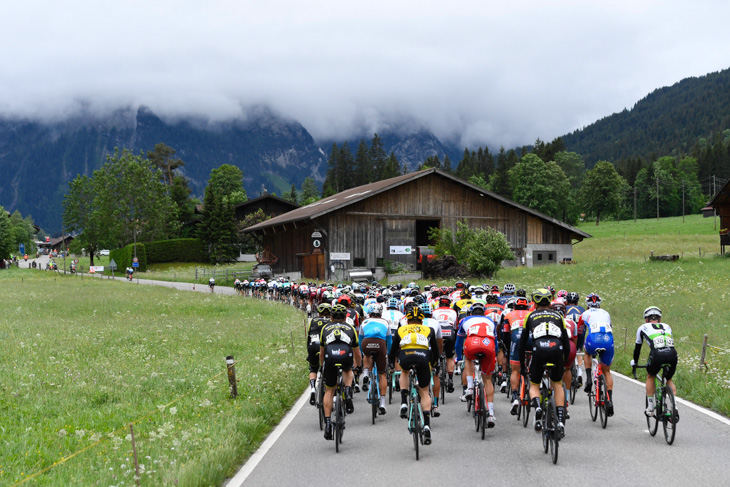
(270, 204)
(721, 205)
(389, 220)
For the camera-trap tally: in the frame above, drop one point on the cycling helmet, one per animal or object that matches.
(558, 306)
(359, 298)
(593, 300)
(418, 299)
(476, 309)
(345, 300)
(435, 293)
(372, 294)
(392, 303)
(510, 303)
(562, 293)
(551, 289)
(380, 299)
(409, 306)
(459, 285)
(572, 298)
(415, 313)
(375, 309)
(444, 290)
(445, 301)
(478, 290)
(521, 292)
(427, 287)
(324, 309)
(521, 302)
(652, 312)
(465, 294)
(411, 285)
(542, 297)
(492, 299)
(509, 288)
(426, 309)
(495, 289)
(414, 292)
(339, 311)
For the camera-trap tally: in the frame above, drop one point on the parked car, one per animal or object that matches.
(262, 271)
(104, 252)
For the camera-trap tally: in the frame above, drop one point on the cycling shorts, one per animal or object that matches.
(378, 347)
(450, 346)
(514, 346)
(334, 354)
(481, 345)
(313, 356)
(659, 357)
(547, 350)
(418, 359)
(595, 341)
(571, 356)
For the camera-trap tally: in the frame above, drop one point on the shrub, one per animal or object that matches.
(481, 251)
(177, 250)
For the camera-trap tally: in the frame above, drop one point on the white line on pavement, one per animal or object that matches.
(691, 405)
(254, 460)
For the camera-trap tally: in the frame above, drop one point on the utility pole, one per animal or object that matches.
(657, 198)
(682, 201)
(634, 202)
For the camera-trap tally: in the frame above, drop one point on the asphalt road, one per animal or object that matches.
(622, 454)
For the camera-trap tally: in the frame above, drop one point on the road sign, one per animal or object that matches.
(135, 259)
(135, 264)
(317, 242)
(339, 255)
(22, 249)
(76, 261)
(112, 264)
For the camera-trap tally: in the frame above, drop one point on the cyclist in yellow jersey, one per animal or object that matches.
(412, 346)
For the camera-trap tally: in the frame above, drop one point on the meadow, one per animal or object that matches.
(82, 359)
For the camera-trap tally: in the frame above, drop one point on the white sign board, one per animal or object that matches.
(96, 268)
(339, 255)
(401, 250)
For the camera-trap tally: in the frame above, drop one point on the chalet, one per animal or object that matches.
(721, 204)
(390, 219)
(270, 204)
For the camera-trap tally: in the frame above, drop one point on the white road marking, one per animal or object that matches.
(254, 460)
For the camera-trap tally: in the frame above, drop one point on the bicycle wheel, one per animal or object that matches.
(374, 396)
(476, 413)
(391, 381)
(482, 411)
(338, 422)
(573, 383)
(652, 422)
(525, 406)
(320, 402)
(416, 431)
(592, 402)
(669, 408)
(545, 432)
(442, 381)
(603, 401)
(553, 434)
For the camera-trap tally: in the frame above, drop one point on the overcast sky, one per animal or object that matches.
(473, 72)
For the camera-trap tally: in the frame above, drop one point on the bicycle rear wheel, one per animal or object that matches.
(525, 401)
(442, 381)
(669, 408)
(553, 434)
(374, 396)
(573, 383)
(482, 411)
(390, 380)
(338, 422)
(416, 430)
(320, 402)
(602, 403)
(652, 422)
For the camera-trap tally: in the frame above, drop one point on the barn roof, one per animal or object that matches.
(353, 195)
(722, 198)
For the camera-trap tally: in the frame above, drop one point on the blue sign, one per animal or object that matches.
(22, 249)
(135, 264)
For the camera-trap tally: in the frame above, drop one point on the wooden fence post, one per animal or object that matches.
(704, 349)
(231, 364)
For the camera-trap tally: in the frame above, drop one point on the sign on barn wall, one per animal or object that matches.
(401, 250)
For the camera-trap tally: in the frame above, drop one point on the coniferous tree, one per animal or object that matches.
(378, 157)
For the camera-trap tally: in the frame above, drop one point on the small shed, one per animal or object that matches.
(721, 204)
(708, 212)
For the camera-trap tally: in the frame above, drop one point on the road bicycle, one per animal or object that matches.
(574, 382)
(373, 395)
(524, 392)
(443, 378)
(415, 413)
(320, 398)
(479, 399)
(597, 397)
(393, 384)
(549, 422)
(338, 408)
(665, 409)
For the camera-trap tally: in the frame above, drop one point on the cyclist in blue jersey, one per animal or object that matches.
(599, 341)
(573, 312)
(375, 337)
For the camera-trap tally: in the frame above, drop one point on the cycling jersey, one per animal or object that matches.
(314, 329)
(550, 343)
(598, 334)
(473, 322)
(376, 328)
(661, 348)
(338, 341)
(411, 345)
(513, 329)
(480, 339)
(657, 335)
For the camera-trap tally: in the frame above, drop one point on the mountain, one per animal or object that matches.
(668, 121)
(37, 160)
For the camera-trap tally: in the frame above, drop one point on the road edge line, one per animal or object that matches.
(258, 455)
(689, 404)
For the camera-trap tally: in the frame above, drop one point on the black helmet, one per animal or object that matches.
(572, 298)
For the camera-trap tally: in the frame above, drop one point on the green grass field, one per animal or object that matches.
(84, 358)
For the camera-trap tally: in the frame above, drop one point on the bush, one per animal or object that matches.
(123, 257)
(177, 250)
(393, 267)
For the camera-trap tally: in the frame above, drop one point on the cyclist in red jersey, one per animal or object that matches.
(514, 320)
(572, 327)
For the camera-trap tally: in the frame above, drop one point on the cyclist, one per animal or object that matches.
(599, 336)
(559, 306)
(549, 345)
(447, 318)
(211, 284)
(375, 337)
(573, 312)
(661, 351)
(393, 316)
(436, 327)
(508, 292)
(314, 329)
(514, 320)
(338, 345)
(411, 346)
(477, 333)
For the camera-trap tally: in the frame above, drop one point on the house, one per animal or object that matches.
(270, 204)
(721, 204)
(390, 219)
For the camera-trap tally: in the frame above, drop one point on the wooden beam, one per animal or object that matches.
(393, 216)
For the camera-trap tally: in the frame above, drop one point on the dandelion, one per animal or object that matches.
(173, 411)
(62, 433)
(80, 433)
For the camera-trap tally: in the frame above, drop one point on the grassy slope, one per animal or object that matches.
(82, 358)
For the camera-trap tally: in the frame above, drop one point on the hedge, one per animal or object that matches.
(177, 250)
